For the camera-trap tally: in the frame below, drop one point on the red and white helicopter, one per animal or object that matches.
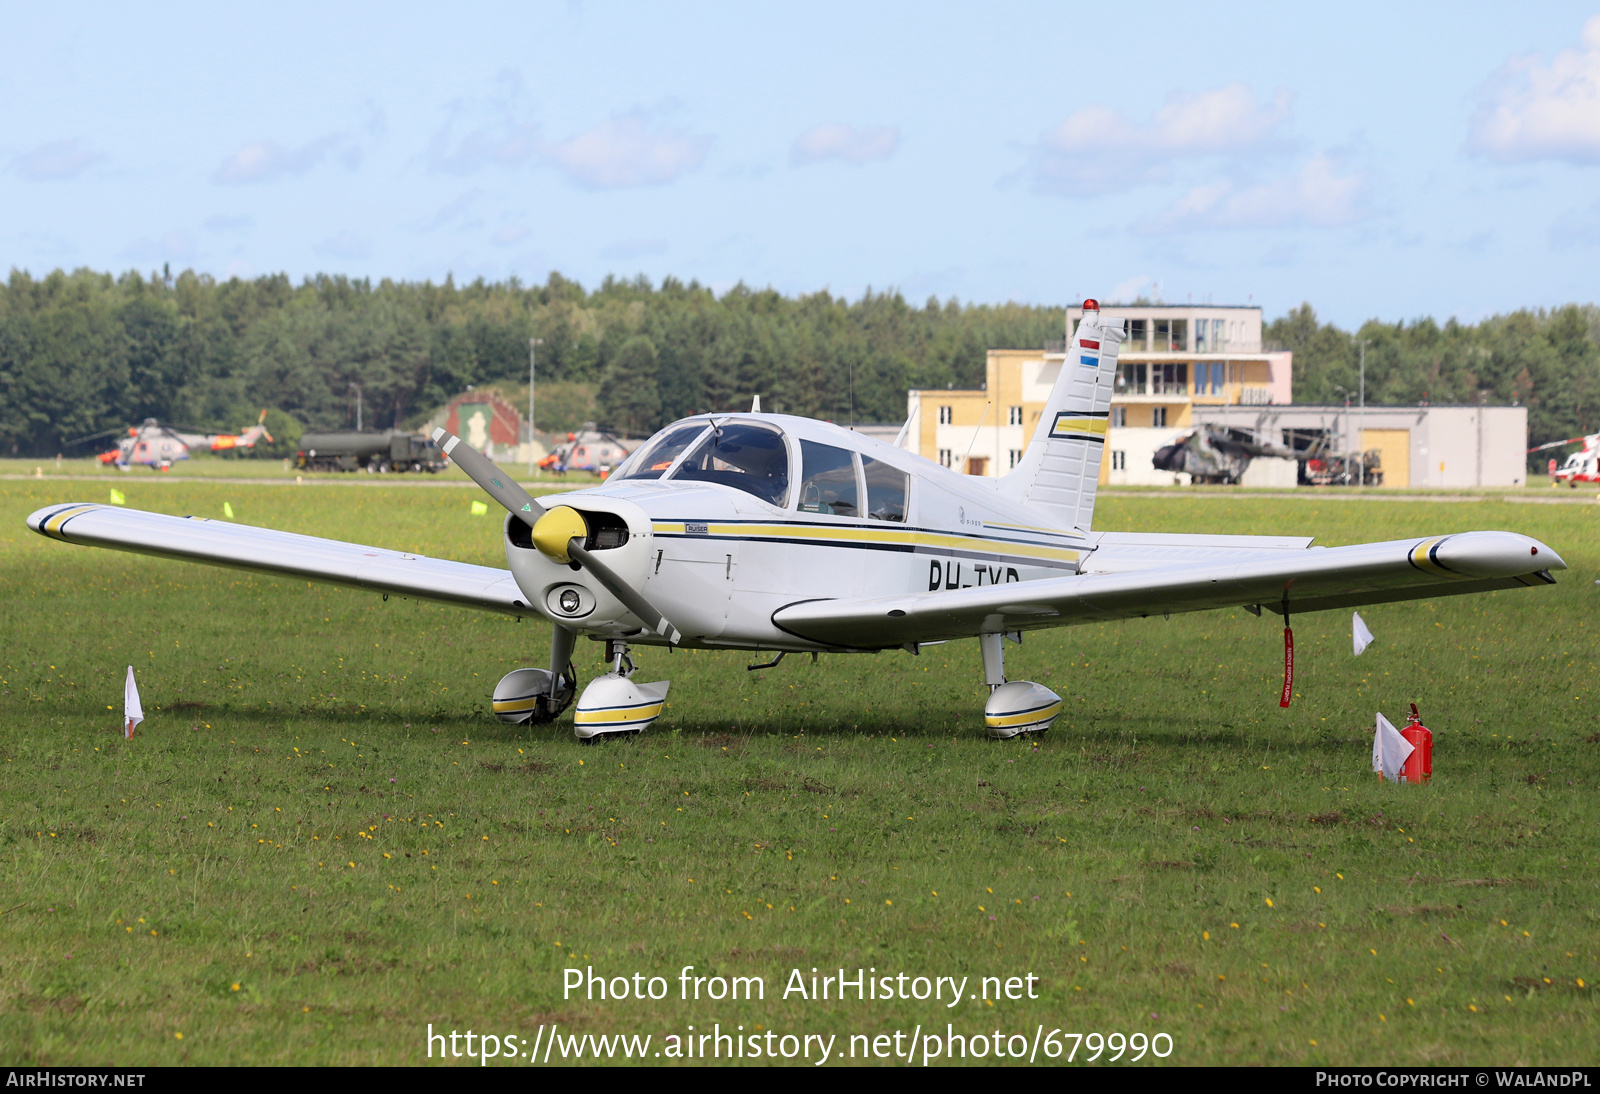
(1581, 466)
(775, 533)
(159, 446)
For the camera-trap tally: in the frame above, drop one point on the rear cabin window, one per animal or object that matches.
(653, 462)
(749, 457)
(830, 482)
(886, 490)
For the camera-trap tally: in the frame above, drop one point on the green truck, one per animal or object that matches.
(375, 453)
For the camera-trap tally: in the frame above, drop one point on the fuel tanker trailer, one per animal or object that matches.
(375, 453)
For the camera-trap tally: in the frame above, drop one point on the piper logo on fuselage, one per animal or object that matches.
(948, 575)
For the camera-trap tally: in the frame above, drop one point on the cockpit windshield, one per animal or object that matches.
(660, 453)
(745, 455)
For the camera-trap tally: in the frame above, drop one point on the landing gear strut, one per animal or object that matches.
(1016, 708)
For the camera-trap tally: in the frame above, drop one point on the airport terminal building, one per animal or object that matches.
(1189, 365)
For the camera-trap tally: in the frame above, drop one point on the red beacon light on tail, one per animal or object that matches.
(1091, 305)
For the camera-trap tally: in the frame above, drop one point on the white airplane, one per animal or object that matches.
(767, 532)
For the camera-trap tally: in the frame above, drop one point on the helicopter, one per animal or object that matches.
(780, 534)
(158, 446)
(1220, 455)
(1582, 466)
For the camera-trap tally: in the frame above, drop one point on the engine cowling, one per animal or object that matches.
(564, 592)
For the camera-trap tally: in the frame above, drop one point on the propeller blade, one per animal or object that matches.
(495, 482)
(631, 598)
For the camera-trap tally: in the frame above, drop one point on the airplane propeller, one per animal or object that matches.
(558, 533)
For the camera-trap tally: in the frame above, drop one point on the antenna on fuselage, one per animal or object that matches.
(755, 405)
(975, 432)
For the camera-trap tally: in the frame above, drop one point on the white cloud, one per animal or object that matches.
(1132, 289)
(1316, 195)
(55, 160)
(851, 144)
(628, 150)
(347, 246)
(1536, 111)
(264, 161)
(1097, 149)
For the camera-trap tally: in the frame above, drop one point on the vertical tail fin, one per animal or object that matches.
(1061, 469)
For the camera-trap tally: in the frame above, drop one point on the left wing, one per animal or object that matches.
(240, 547)
(1283, 580)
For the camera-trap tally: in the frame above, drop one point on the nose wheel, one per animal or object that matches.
(616, 705)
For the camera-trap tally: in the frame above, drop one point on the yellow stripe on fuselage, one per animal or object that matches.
(823, 534)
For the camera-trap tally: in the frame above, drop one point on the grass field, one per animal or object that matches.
(320, 842)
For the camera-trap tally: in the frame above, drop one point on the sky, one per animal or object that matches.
(1387, 161)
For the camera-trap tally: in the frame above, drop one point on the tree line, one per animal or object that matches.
(85, 351)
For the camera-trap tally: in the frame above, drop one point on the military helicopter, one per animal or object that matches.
(1582, 466)
(159, 446)
(775, 533)
(1218, 455)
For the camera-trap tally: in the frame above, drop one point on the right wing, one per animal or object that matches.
(219, 543)
(1149, 575)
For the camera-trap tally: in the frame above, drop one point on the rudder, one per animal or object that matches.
(1060, 472)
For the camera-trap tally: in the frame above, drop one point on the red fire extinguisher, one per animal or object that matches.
(1418, 767)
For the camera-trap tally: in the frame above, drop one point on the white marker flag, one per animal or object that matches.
(132, 712)
(1359, 632)
(1389, 750)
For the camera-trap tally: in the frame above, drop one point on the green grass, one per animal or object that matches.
(844, 814)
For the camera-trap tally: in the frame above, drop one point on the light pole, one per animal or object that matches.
(532, 342)
(357, 389)
(1361, 425)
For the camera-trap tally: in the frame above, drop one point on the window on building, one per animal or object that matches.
(1131, 379)
(829, 485)
(1208, 378)
(1119, 417)
(886, 490)
(1158, 417)
(1015, 456)
(1200, 327)
(945, 457)
(1014, 416)
(945, 416)
(1138, 333)
(1169, 379)
(1119, 460)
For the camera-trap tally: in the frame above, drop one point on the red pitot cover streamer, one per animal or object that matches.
(1288, 667)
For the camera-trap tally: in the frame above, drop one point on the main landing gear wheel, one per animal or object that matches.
(1017, 708)
(615, 705)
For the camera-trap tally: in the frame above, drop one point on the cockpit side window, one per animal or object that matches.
(886, 490)
(660, 453)
(744, 455)
(829, 485)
